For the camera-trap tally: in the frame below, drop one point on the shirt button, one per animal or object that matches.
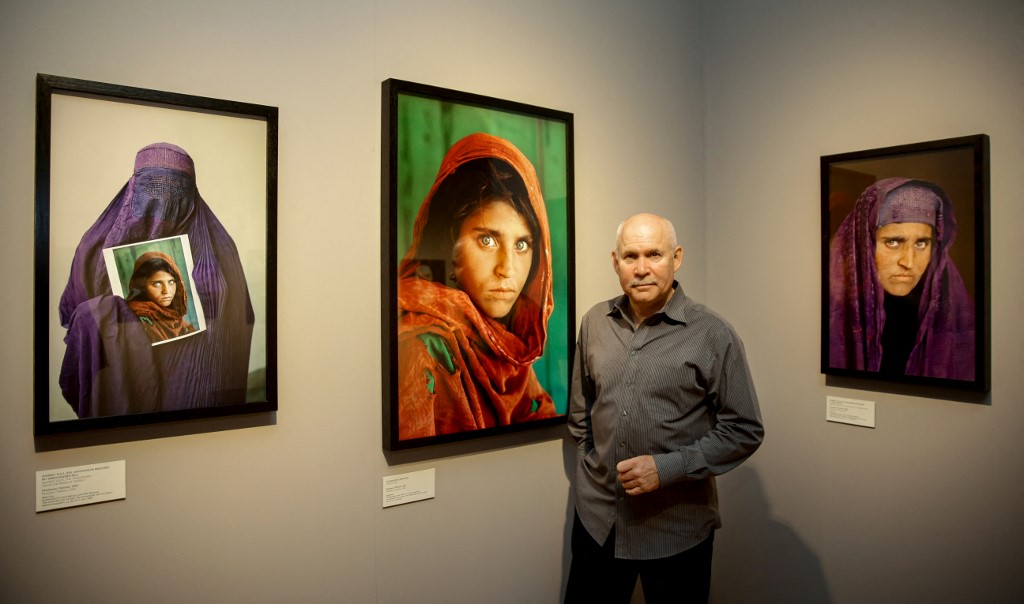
(622, 444)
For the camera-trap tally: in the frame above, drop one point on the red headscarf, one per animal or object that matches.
(489, 380)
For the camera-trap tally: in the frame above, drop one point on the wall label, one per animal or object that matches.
(850, 411)
(407, 488)
(79, 485)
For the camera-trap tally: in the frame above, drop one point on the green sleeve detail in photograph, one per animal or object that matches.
(438, 350)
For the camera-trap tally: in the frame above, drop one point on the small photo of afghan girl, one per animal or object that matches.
(155, 279)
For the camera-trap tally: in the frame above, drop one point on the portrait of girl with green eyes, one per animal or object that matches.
(475, 295)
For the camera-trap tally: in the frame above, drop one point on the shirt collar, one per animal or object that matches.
(674, 309)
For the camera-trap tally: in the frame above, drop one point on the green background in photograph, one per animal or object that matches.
(426, 130)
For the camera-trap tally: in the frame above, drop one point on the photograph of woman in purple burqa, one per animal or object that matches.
(110, 366)
(898, 305)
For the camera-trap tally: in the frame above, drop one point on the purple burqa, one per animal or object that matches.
(944, 346)
(110, 367)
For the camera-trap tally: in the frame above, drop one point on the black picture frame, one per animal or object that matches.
(88, 136)
(420, 126)
(856, 302)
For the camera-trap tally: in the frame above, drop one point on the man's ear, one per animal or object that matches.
(677, 257)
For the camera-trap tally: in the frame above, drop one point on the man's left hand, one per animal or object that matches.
(638, 475)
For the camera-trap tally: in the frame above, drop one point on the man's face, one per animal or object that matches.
(902, 253)
(493, 254)
(646, 262)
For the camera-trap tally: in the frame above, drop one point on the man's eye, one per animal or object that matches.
(487, 240)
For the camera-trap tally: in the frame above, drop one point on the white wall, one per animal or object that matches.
(290, 511)
(925, 507)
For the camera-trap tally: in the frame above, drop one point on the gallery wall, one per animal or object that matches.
(713, 114)
(924, 507)
(289, 508)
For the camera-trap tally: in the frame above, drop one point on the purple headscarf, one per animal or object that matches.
(944, 344)
(109, 366)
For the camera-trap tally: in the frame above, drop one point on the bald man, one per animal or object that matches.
(662, 401)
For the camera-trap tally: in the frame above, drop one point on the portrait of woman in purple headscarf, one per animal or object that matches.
(897, 304)
(110, 366)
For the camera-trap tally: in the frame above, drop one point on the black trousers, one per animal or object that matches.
(597, 576)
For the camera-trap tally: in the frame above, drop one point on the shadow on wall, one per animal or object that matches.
(762, 559)
(569, 464)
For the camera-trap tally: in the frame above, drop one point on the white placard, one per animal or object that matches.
(407, 488)
(850, 411)
(79, 485)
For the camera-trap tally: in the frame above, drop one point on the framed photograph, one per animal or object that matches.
(905, 263)
(155, 262)
(477, 246)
